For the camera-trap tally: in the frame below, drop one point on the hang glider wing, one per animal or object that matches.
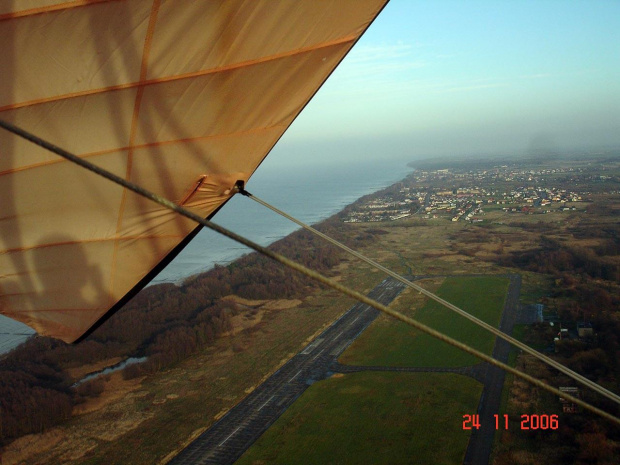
(183, 97)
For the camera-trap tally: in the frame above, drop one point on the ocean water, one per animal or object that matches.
(310, 193)
(12, 333)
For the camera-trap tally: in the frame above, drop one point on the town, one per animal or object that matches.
(465, 194)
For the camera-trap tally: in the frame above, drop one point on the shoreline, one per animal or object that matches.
(281, 238)
(6, 346)
(311, 196)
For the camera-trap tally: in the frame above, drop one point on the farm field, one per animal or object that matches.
(392, 343)
(373, 418)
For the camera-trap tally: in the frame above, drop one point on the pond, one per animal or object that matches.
(111, 369)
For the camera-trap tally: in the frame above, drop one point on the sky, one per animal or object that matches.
(464, 78)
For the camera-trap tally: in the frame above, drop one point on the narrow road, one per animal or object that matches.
(229, 438)
(481, 441)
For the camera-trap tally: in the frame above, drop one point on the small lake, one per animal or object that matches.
(111, 369)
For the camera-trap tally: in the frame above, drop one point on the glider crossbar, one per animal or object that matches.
(549, 361)
(296, 266)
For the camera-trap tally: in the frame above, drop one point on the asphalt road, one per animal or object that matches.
(233, 434)
(481, 440)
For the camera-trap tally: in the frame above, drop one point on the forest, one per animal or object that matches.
(582, 260)
(586, 279)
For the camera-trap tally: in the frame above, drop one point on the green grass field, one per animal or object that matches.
(373, 418)
(391, 343)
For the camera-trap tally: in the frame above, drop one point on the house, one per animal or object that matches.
(585, 330)
(568, 406)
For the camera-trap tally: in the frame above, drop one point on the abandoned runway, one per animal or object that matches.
(228, 438)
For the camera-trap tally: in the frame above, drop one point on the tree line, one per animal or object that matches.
(556, 257)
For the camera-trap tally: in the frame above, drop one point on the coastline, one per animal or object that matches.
(13, 333)
(311, 195)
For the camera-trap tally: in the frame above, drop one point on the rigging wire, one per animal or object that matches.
(295, 266)
(549, 361)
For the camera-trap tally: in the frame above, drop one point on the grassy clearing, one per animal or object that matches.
(393, 343)
(534, 287)
(373, 418)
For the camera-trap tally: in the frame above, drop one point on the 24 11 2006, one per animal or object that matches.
(528, 422)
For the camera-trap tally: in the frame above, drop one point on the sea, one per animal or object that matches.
(310, 192)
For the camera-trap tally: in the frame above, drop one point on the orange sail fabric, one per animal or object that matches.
(183, 97)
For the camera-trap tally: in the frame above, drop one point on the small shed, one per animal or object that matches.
(568, 406)
(585, 330)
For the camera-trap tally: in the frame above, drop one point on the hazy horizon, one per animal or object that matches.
(478, 78)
